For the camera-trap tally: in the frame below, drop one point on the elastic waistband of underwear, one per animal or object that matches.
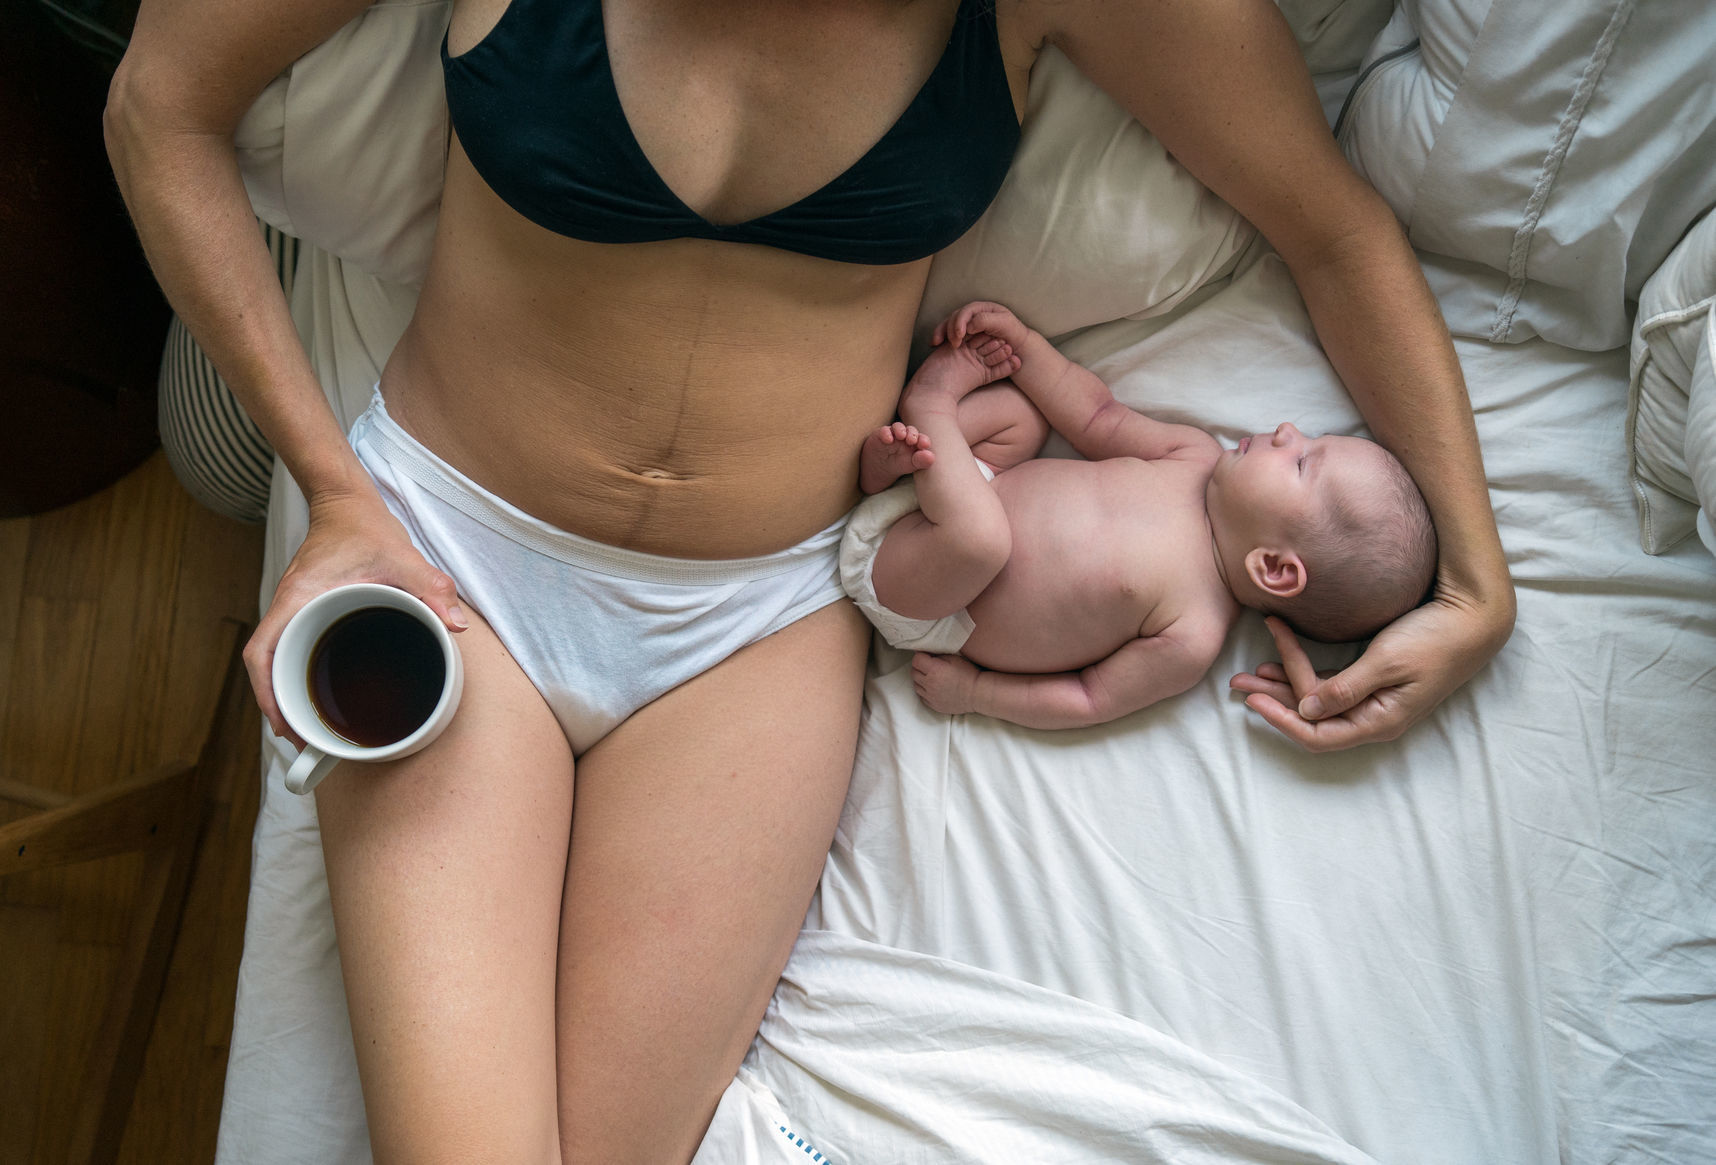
(409, 456)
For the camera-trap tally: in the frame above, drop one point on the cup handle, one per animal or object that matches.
(308, 770)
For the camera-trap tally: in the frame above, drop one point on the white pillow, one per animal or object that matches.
(347, 149)
(1094, 222)
(1545, 157)
(1671, 420)
(1701, 432)
(1334, 34)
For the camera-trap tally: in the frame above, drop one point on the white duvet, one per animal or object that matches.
(905, 1057)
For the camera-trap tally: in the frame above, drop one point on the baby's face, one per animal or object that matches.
(1274, 483)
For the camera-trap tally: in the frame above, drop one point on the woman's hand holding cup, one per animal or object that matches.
(350, 540)
(364, 672)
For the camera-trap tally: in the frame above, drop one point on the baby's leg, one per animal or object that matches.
(935, 561)
(998, 421)
(1002, 426)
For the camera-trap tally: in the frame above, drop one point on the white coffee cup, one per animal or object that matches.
(324, 747)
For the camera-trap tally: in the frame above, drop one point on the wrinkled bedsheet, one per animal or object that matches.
(1491, 941)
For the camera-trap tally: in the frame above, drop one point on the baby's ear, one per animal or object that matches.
(1280, 574)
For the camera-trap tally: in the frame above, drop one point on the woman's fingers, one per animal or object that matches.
(1276, 688)
(1405, 672)
(1294, 661)
(442, 594)
(1403, 654)
(1339, 692)
(259, 665)
(1284, 683)
(1366, 724)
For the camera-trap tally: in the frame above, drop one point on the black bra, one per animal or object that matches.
(536, 111)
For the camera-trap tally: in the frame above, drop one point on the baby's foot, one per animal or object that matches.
(889, 454)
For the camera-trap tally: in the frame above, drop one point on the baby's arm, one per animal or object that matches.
(1137, 675)
(1074, 399)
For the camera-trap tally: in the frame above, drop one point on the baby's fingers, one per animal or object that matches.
(963, 322)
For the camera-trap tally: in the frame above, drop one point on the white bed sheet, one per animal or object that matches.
(911, 1059)
(1492, 941)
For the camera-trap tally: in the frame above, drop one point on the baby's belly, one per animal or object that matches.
(1082, 578)
(1044, 625)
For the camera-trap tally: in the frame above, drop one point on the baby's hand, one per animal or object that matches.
(947, 683)
(982, 317)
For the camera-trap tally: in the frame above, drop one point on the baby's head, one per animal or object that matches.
(1330, 533)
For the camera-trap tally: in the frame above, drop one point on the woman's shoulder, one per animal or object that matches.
(203, 62)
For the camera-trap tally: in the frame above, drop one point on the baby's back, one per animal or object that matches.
(1103, 552)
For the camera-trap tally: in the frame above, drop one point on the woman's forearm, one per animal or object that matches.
(1382, 330)
(182, 186)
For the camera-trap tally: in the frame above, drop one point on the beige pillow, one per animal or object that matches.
(1095, 221)
(1671, 420)
(347, 149)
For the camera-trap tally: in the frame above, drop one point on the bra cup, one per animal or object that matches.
(537, 112)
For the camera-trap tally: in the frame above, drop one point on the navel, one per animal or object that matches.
(656, 473)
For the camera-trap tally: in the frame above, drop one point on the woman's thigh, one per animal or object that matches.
(701, 829)
(446, 871)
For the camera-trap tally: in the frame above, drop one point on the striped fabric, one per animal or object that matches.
(216, 451)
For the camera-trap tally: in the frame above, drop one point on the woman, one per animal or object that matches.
(658, 322)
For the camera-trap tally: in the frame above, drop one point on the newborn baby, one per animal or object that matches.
(1057, 593)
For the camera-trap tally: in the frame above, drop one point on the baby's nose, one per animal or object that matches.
(1284, 432)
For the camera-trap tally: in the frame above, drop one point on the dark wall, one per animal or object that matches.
(81, 320)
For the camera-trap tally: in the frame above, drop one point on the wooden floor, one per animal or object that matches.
(110, 612)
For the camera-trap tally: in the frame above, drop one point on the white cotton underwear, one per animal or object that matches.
(600, 630)
(866, 527)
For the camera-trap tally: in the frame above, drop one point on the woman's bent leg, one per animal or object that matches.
(446, 871)
(701, 828)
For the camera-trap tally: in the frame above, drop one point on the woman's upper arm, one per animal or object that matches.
(1223, 86)
(191, 71)
(198, 65)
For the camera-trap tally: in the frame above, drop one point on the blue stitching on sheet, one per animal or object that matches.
(800, 1142)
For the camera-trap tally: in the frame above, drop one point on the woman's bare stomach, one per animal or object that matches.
(689, 398)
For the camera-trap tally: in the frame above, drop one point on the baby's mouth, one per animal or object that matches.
(1244, 444)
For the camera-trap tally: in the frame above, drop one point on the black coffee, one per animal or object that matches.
(376, 675)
